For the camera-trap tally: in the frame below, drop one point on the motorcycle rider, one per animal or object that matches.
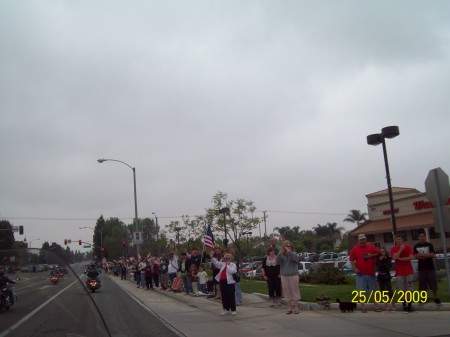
(92, 273)
(4, 280)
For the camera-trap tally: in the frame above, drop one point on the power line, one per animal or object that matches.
(304, 213)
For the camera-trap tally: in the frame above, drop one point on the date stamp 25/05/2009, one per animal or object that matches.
(398, 296)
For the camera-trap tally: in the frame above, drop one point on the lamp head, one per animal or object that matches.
(375, 139)
(390, 131)
(100, 160)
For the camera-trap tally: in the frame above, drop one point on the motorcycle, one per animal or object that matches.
(54, 279)
(93, 284)
(5, 299)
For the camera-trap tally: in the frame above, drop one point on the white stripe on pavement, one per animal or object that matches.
(35, 311)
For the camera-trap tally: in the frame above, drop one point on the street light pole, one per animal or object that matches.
(225, 211)
(248, 245)
(29, 243)
(377, 139)
(157, 234)
(178, 235)
(136, 223)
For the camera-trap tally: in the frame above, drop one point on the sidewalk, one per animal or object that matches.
(200, 317)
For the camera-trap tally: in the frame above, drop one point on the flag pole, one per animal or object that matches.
(203, 245)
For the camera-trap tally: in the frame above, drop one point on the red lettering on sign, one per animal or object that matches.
(419, 205)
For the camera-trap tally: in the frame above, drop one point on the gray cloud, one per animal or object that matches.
(269, 102)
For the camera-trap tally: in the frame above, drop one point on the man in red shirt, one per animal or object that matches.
(402, 253)
(362, 258)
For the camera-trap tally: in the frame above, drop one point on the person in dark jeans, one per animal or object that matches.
(155, 271)
(225, 278)
(148, 276)
(184, 266)
(424, 253)
(271, 273)
(383, 267)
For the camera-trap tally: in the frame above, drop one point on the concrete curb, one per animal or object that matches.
(306, 305)
(369, 306)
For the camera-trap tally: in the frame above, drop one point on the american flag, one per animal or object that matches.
(208, 239)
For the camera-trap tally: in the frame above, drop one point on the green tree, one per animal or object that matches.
(6, 235)
(114, 231)
(237, 220)
(100, 227)
(356, 216)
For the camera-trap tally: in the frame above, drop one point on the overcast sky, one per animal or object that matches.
(270, 101)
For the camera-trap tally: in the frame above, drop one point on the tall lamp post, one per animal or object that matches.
(29, 243)
(135, 198)
(225, 211)
(178, 229)
(248, 245)
(157, 233)
(377, 139)
(101, 239)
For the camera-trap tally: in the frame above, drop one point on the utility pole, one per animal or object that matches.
(265, 224)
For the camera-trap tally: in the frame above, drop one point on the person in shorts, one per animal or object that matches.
(424, 253)
(402, 254)
(363, 259)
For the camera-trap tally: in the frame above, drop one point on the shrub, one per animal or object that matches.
(325, 276)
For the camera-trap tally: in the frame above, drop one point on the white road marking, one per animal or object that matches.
(45, 287)
(35, 311)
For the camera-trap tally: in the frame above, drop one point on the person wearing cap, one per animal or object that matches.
(363, 259)
(226, 281)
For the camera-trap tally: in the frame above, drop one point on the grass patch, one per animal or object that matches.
(310, 291)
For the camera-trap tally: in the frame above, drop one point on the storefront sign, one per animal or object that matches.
(388, 211)
(419, 205)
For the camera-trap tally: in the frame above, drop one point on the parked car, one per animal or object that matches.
(312, 257)
(326, 257)
(246, 267)
(342, 258)
(256, 273)
(304, 267)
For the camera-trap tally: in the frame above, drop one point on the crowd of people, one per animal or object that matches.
(188, 272)
(367, 260)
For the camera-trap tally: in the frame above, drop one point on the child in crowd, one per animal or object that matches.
(202, 278)
(193, 275)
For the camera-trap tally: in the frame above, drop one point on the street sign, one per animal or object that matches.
(86, 246)
(438, 190)
(437, 187)
(69, 241)
(138, 238)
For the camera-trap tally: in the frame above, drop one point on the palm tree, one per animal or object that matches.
(356, 216)
(334, 232)
(321, 233)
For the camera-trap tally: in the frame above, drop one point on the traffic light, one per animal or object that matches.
(5, 258)
(79, 242)
(124, 243)
(65, 241)
(21, 230)
(103, 249)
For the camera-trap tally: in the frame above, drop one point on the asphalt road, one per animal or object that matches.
(44, 309)
(66, 309)
(125, 315)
